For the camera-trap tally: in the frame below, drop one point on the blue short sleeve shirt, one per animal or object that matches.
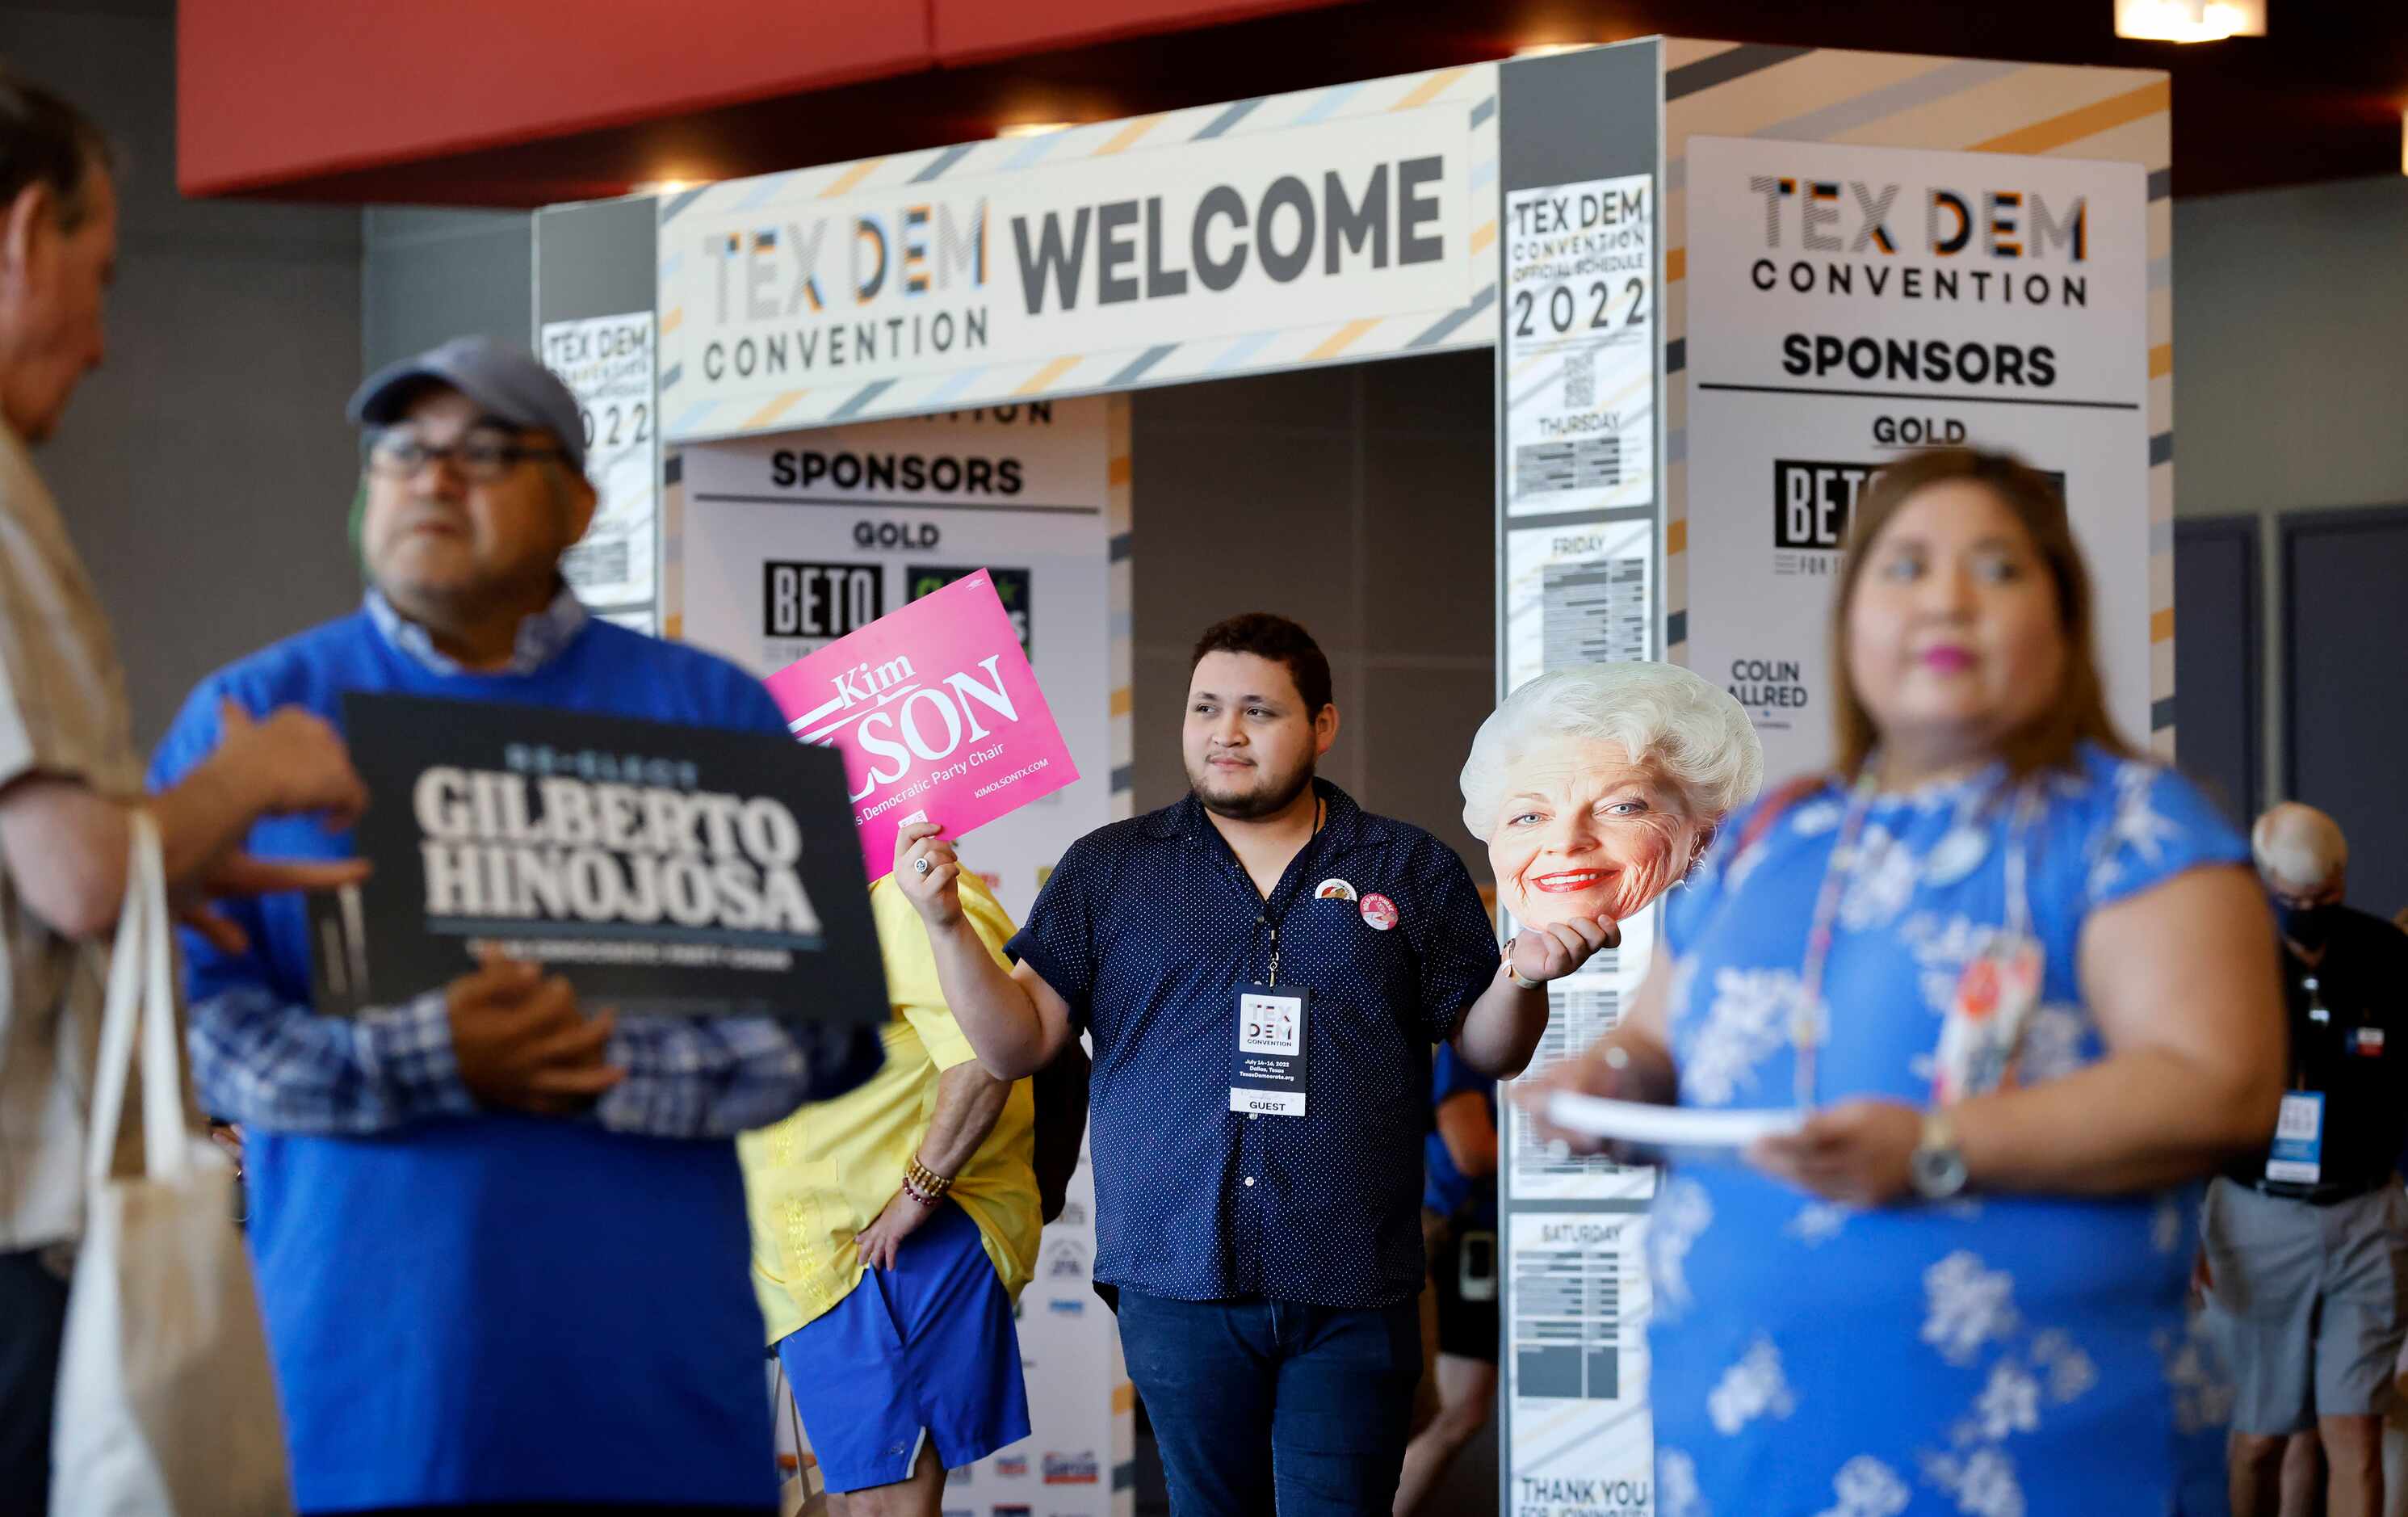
(1148, 928)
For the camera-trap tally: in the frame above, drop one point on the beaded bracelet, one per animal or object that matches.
(928, 1181)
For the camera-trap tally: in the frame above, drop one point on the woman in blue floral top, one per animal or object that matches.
(2024, 986)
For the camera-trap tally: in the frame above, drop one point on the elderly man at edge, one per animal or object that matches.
(70, 777)
(2306, 1247)
(502, 1243)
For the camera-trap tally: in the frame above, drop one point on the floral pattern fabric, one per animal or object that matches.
(1998, 1356)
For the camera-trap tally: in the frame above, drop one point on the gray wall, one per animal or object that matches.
(1359, 500)
(429, 275)
(2290, 373)
(205, 470)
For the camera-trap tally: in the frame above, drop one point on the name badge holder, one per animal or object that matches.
(1994, 998)
(2297, 1157)
(1266, 1076)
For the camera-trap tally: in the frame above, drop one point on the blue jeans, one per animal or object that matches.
(1273, 1406)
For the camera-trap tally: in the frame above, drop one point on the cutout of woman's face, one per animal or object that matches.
(1953, 640)
(1584, 830)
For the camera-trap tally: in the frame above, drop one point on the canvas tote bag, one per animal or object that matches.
(167, 1404)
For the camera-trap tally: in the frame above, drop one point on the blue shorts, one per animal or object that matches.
(926, 1350)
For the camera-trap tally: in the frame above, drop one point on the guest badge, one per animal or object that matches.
(2297, 1157)
(1268, 1077)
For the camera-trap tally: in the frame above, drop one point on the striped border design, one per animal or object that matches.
(1471, 88)
(669, 574)
(1722, 89)
(1121, 598)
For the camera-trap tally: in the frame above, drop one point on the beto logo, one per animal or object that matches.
(1812, 501)
(820, 600)
(1012, 1466)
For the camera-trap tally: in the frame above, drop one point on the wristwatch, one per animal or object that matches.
(1936, 1166)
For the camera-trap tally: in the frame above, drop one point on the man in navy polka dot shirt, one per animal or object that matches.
(1263, 969)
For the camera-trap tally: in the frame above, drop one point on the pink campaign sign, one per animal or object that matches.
(936, 714)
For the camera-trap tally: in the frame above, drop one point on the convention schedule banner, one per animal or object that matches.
(795, 540)
(1579, 518)
(1580, 345)
(607, 363)
(1848, 305)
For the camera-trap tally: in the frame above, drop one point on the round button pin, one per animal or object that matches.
(1379, 913)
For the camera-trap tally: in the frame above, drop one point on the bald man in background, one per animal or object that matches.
(2307, 1240)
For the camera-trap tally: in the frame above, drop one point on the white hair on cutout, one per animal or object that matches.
(1695, 734)
(2299, 847)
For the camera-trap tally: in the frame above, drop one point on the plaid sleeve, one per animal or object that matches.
(262, 1061)
(714, 1079)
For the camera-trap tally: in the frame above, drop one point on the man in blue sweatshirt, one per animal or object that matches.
(501, 1244)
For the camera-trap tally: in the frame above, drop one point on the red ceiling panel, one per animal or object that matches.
(274, 91)
(982, 31)
(526, 102)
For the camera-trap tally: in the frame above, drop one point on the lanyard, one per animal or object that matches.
(1317, 808)
(1810, 1021)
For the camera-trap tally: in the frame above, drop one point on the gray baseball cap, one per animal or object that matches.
(502, 376)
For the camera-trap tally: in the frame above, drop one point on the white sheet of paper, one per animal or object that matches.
(1667, 1127)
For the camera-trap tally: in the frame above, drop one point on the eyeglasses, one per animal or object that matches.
(482, 458)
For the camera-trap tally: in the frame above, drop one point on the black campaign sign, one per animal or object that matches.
(665, 870)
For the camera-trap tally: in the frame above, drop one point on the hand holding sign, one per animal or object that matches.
(522, 1044)
(929, 873)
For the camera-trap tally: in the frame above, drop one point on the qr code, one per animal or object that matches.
(1579, 380)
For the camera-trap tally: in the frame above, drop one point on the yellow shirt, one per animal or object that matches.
(818, 1178)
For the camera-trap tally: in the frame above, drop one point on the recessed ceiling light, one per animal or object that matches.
(1542, 49)
(2189, 20)
(1032, 128)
